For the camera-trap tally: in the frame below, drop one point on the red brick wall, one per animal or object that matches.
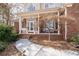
(73, 26)
(41, 37)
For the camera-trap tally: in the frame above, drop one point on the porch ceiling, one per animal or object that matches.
(28, 14)
(53, 17)
(48, 14)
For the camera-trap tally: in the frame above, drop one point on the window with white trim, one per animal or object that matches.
(51, 26)
(53, 5)
(31, 7)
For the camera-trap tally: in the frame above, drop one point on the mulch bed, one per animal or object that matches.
(56, 44)
(10, 51)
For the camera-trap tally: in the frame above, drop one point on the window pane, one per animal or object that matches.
(46, 5)
(50, 24)
(31, 26)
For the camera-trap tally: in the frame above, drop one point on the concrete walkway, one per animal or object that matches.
(31, 49)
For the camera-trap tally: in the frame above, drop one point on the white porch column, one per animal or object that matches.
(20, 25)
(66, 24)
(38, 24)
(65, 11)
(58, 24)
(65, 30)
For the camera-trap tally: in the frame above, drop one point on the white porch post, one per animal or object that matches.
(65, 30)
(38, 23)
(65, 11)
(20, 25)
(65, 24)
(58, 24)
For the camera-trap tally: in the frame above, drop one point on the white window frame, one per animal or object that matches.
(53, 24)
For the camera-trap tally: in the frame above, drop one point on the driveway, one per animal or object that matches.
(31, 49)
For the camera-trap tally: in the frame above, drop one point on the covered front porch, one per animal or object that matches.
(43, 22)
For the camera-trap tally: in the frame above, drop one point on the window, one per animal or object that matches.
(31, 8)
(51, 24)
(53, 5)
(46, 5)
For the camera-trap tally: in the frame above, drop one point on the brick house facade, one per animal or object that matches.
(65, 30)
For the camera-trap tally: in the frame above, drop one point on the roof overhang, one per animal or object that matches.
(47, 11)
(44, 11)
(27, 14)
(68, 5)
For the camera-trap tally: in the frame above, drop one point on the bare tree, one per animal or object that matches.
(4, 11)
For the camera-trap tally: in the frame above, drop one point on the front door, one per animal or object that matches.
(30, 26)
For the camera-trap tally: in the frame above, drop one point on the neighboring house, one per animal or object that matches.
(40, 20)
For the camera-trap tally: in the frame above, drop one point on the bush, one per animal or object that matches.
(75, 39)
(7, 34)
(3, 45)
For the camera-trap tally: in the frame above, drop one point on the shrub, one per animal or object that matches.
(3, 45)
(7, 34)
(75, 39)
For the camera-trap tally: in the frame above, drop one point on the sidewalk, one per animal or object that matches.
(31, 49)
